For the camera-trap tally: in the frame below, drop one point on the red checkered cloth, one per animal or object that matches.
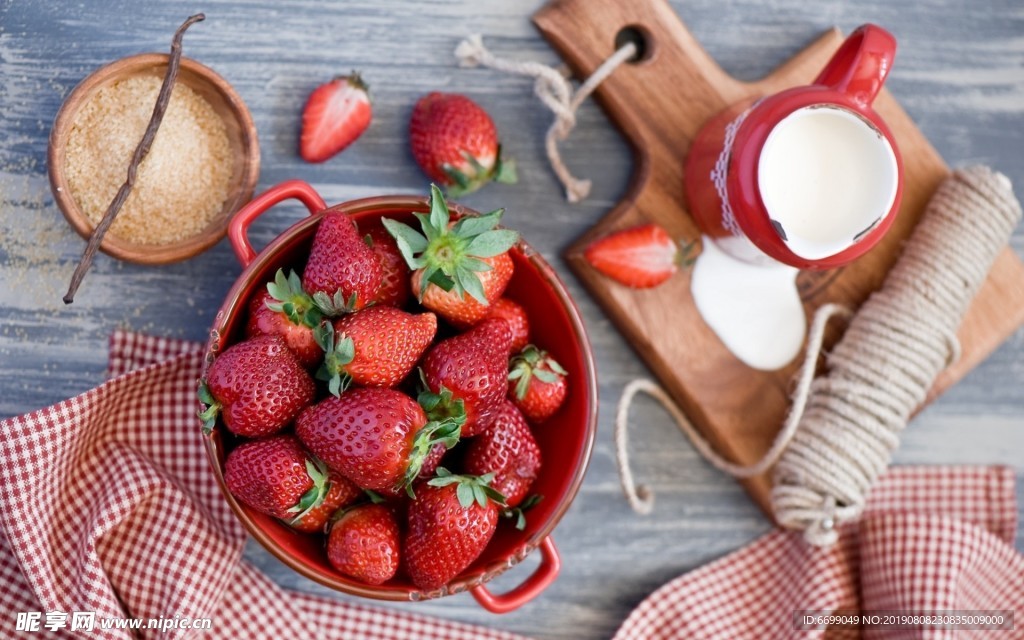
(931, 540)
(108, 505)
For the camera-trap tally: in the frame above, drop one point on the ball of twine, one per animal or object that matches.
(882, 368)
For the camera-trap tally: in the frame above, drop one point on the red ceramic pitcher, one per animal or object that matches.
(811, 176)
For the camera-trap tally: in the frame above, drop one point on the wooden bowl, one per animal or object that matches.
(241, 136)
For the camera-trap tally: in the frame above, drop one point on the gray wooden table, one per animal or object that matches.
(959, 73)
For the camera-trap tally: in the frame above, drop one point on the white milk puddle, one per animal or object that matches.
(754, 309)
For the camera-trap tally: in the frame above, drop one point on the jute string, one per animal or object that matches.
(555, 91)
(844, 425)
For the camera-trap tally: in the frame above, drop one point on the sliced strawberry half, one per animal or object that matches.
(639, 257)
(336, 113)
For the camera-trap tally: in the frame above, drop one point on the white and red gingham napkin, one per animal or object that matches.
(108, 506)
(932, 541)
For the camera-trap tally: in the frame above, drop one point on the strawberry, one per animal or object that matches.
(375, 347)
(459, 268)
(449, 525)
(509, 451)
(470, 370)
(277, 477)
(342, 272)
(536, 383)
(341, 492)
(364, 544)
(432, 462)
(455, 143)
(256, 386)
(336, 113)
(286, 310)
(378, 438)
(640, 257)
(512, 313)
(394, 287)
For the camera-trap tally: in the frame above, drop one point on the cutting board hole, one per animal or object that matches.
(640, 37)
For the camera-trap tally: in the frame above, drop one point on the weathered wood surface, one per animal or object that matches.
(959, 73)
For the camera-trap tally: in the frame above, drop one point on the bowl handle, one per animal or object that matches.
(238, 229)
(539, 580)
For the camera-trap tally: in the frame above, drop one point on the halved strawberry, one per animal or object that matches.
(342, 272)
(284, 309)
(460, 268)
(336, 113)
(364, 543)
(456, 144)
(640, 257)
(536, 383)
(375, 347)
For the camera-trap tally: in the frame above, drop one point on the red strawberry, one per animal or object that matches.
(515, 316)
(341, 492)
(342, 273)
(257, 386)
(277, 477)
(336, 113)
(284, 309)
(460, 268)
(432, 462)
(455, 143)
(378, 438)
(640, 257)
(450, 523)
(394, 288)
(364, 544)
(536, 383)
(469, 369)
(509, 451)
(375, 347)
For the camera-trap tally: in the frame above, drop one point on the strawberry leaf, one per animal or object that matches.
(409, 241)
(211, 408)
(554, 366)
(466, 493)
(475, 225)
(288, 297)
(339, 351)
(470, 283)
(314, 497)
(492, 243)
(544, 375)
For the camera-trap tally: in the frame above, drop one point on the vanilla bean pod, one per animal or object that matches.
(141, 150)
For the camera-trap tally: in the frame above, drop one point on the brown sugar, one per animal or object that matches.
(182, 183)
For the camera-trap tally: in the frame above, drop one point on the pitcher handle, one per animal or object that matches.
(860, 65)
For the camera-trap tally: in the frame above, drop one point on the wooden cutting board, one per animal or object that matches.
(659, 103)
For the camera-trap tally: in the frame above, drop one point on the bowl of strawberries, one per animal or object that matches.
(398, 397)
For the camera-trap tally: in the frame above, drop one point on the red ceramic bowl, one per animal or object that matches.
(565, 439)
